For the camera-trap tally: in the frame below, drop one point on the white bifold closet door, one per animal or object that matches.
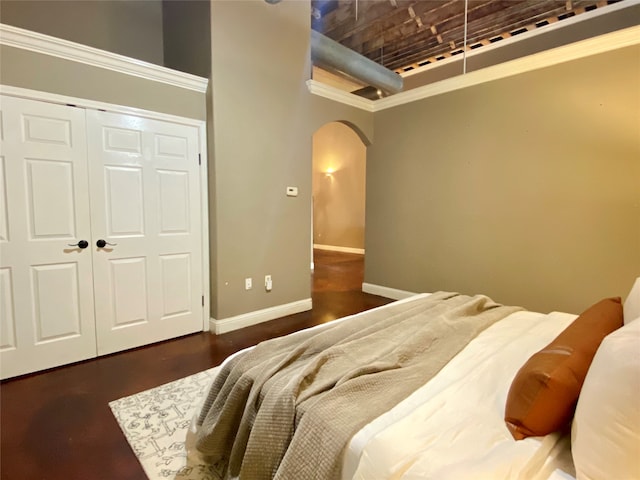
(145, 200)
(46, 285)
(69, 176)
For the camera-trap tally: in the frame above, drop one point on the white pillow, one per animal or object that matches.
(632, 303)
(605, 434)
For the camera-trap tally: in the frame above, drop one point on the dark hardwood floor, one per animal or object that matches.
(57, 425)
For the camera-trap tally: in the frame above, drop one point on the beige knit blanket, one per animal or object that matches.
(287, 408)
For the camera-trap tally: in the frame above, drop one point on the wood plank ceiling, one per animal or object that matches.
(403, 35)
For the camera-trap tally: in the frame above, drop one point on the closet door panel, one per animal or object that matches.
(4, 229)
(46, 285)
(50, 216)
(7, 317)
(128, 291)
(124, 203)
(145, 198)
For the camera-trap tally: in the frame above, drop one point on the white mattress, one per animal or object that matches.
(453, 427)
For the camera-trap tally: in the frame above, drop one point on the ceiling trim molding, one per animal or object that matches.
(606, 10)
(37, 42)
(333, 93)
(585, 48)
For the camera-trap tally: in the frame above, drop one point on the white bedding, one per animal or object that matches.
(453, 427)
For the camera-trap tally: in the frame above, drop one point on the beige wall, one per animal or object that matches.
(263, 122)
(260, 61)
(526, 189)
(338, 196)
(132, 28)
(186, 33)
(36, 71)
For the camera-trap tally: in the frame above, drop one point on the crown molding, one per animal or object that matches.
(333, 93)
(593, 46)
(574, 51)
(601, 11)
(37, 42)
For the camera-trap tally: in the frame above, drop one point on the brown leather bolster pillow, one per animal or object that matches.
(544, 392)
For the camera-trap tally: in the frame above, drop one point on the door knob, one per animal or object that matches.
(103, 243)
(80, 244)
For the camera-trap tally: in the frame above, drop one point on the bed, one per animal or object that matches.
(435, 386)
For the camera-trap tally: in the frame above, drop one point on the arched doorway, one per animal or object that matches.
(339, 188)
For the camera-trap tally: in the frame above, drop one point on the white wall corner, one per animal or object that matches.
(253, 318)
(386, 292)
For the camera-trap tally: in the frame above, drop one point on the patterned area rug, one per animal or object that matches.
(155, 423)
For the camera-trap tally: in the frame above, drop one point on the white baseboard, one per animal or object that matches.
(339, 249)
(252, 318)
(386, 291)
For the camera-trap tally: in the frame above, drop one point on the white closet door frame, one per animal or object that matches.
(202, 136)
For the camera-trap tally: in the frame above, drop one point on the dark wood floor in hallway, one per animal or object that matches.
(57, 425)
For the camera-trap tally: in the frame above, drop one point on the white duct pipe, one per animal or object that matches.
(331, 55)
